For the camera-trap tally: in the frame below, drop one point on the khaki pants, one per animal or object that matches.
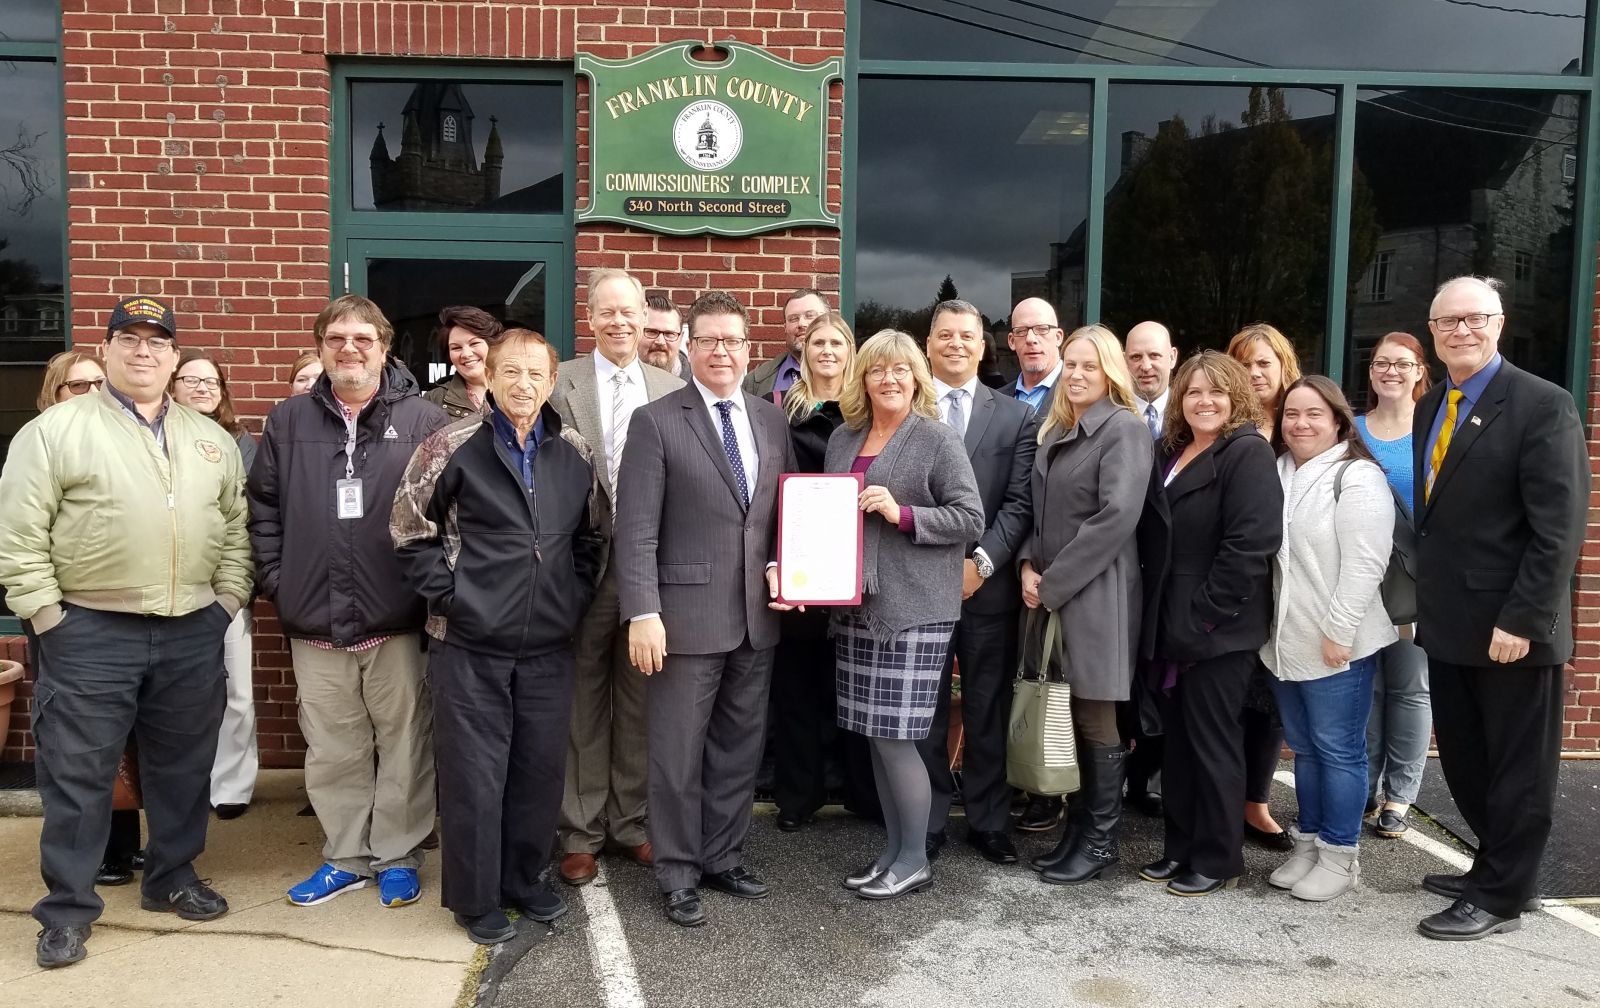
(368, 723)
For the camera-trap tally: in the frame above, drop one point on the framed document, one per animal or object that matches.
(819, 538)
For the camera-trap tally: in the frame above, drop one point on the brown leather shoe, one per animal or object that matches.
(644, 854)
(578, 868)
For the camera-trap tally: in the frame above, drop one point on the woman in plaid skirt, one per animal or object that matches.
(923, 509)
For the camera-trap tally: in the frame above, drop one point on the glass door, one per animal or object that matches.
(525, 284)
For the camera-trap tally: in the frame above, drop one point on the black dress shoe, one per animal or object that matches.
(1455, 886)
(790, 822)
(491, 928)
(61, 946)
(1279, 841)
(1147, 803)
(195, 901)
(232, 810)
(136, 860)
(1161, 871)
(933, 844)
(1464, 922)
(1041, 814)
(683, 907)
(113, 873)
(994, 845)
(1192, 883)
(738, 882)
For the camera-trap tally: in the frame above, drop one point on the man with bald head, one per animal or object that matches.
(1036, 339)
(1502, 494)
(1151, 358)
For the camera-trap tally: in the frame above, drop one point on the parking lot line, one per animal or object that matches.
(608, 945)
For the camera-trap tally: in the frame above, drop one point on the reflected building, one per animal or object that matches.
(437, 167)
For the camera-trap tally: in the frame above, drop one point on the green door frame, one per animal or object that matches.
(1343, 84)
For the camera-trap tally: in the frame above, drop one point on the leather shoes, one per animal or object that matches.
(933, 845)
(1161, 871)
(994, 845)
(61, 946)
(1455, 886)
(113, 873)
(886, 886)
(232, 810)
(136, 860)
(579, 868)
(1147, 803)
(1279, 841)
(1192, 883)
(790, 822)
(683, 908)
(737, 881)
(1463, 921)
(865, 875)
(642, 854)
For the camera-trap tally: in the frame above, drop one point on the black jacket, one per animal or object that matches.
(1002, 440)
(809, 435)
(1206, 544)
(504, 571)
(1498, 540)
(332, 580)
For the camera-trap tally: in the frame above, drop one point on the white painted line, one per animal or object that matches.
(1460, 861)
(608, 947)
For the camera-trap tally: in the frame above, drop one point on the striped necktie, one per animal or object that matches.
(619, 428)
(1442, 445)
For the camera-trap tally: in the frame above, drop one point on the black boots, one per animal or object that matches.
(1091, 851)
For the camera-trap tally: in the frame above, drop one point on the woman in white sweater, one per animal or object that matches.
(1338, 527)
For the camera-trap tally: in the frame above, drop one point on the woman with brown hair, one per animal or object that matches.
(69, 373)
(1213, 520)
(464, 333)
(304, 372)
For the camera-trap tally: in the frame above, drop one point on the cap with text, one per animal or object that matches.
(142, 309)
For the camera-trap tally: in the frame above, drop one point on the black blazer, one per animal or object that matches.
(1498, 541)
(1001, 440)
(1206, 544)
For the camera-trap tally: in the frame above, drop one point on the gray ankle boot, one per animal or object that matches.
(1300, 862)
(1335, 873)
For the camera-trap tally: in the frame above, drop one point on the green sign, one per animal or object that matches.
(683, 146)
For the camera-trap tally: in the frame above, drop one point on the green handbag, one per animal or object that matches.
(1041, 748)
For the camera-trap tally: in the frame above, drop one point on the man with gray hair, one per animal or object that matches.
(1502, 498)
(596, 394)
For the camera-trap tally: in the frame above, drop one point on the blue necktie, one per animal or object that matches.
(730, 444)
(1152, 420)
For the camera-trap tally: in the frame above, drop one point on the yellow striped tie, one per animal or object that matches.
(1443, 444)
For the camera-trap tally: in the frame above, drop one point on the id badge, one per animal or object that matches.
(347, 493)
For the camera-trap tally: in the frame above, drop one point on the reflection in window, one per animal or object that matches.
(1217, 212)
(1378, 276)
(976, 187)
(1454, 35)
(1490, 196)
(30, 20)
(443, 145)
(411, 292)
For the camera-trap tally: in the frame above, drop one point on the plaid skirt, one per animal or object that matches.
(888, 689)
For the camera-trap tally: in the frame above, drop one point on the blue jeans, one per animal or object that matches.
(1325, 723)
(1402, 717)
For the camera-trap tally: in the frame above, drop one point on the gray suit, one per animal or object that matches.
(689, 549)
(606, 762)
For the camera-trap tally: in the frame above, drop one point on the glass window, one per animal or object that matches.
(973, 187)
(1217, 212)
(1492, 197)
(1536, 36)
(1378, 276)
(411, 292)
(30, 20)
(442, 145)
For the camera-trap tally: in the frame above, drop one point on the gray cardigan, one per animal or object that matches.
(910, 580)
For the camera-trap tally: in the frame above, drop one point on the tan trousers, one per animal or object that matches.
(368, 722)
(607, 757)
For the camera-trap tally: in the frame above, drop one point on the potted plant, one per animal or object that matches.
(10, 675)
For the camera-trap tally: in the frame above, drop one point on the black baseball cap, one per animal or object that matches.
(142, 309)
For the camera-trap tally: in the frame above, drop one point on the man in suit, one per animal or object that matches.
(800, 309)
(696, 524)
(1001, 435)
(1502, 491)
(605, 791)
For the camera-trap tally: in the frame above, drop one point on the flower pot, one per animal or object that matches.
(10, 675)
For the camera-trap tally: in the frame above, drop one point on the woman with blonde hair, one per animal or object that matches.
(69, 373)
(304, 372)
(1082, 563)
(923, 509)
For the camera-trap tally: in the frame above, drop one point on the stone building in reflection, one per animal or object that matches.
(437, 167)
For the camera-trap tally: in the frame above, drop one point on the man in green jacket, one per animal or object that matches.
(123, 544)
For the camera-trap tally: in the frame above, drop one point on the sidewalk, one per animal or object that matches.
(348, 953)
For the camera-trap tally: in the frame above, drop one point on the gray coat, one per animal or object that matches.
(1088, 492)
(911, 580)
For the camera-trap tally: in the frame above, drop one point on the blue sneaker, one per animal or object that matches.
(398, 887)
(324, 884)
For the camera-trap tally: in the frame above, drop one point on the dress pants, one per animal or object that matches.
(1203, 774)
(233, 775)
(707, 723)
(98, 676)
(803, 715)
(500, 739)
(1499, 736)
(368, 724)
(986, 646)
(605, 790)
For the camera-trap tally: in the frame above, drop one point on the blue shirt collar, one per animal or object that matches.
(505, 430)
(1472, 388)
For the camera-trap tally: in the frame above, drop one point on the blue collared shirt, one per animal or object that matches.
(1040, 392)
(1471, 392)
(782, 378)
(157, 427)
(520, 456)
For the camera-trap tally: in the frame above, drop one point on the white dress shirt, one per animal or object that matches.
(634, 395)
(742, 433)
(1160, 403)
(941, 390)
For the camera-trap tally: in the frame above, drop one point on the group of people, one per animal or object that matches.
(540, 602)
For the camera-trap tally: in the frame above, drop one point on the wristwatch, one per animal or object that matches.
(985, 565)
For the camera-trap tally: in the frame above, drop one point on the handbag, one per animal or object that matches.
(1041, 746)
(1399, 586)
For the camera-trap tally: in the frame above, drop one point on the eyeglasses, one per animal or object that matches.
(1041, 330)
(344, 342)
(131, 341)
(805, 317)
(195, 381)
(660, 334)
(900, 372)
(79, 386)
(1399, 367)
(732, 344)
(1477, 320)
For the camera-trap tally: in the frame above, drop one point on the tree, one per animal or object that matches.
(947, 291)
